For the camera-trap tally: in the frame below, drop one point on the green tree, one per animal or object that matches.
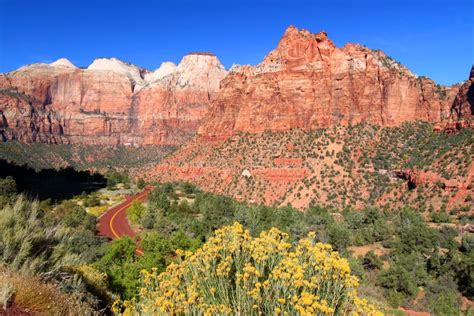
(339, 237)
(135, 211)
(406, 273)
(7, 186)
(371, 261)
(141, 183)
(189, 188)
(119, 262)
(114, 177)
(413, 235)
(8, 190)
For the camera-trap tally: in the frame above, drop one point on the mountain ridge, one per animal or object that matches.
(306, 83)
(110, 103)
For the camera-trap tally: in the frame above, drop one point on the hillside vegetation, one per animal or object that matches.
(353, 166)
(401, 256)
(82, 157)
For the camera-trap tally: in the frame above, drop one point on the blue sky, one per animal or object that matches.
(433, 38)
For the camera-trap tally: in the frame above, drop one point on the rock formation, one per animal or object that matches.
(463, 106)
(308, 83)
(305, 83)
(111, 102)
(250, 142)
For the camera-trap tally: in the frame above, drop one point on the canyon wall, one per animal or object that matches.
(305, 83)
(111, 102)
(308, 83)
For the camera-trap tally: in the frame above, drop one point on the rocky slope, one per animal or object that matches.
(355, 166)
(307, 82)
(111, 102)
(314, 123)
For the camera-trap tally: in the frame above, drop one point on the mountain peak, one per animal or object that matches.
(199, 60)
(293, 33)
(112, 63)
(301, 45)
(63, 62)
(164, 70)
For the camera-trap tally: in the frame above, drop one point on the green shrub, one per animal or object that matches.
(371, 261)
(114, 177)
(440, 217)
(135, 211)
(141, 183)
(236, 274)
(7, 187)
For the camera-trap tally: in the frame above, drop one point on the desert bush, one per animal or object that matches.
(97, 210)
(141, 183)
(7, 187)
(440, 217)
(442, 297)
(92, 200)
(8, 190)
(28, 239)
(38, 243)
(371, 261)
(115, 177)
(467, 243)
(234, 273)
(7, 292)
(32, 294)
(135, 211)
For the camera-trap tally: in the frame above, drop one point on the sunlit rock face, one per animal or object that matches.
(463, 106)
(307, 82)
(110, 102)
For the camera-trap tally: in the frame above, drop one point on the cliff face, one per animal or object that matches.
(110, 102)
(254, 143)
(308, 83)
(305, 83)
(463, 106)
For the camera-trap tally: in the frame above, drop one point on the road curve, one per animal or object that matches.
(114, 223)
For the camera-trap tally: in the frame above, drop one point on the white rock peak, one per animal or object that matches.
(113, 64)
(200, 70)
(166, 68)
(63, 62)
(199, 61)
(116, 65)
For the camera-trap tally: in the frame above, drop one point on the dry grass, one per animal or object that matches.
(32, 295)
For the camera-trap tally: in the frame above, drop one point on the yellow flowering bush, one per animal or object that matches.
(234, 273)
(97, 210)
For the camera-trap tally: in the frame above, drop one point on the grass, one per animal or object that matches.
(31, 294)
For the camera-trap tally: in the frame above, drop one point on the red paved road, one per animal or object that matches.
(114, 223)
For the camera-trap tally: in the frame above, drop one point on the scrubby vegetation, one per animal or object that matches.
(396, 255)
(40, 249)
(399, 259)
(404, 242)
(234, 273)
(82, 157)
(344, 166)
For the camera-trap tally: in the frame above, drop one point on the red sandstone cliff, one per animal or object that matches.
(463, 106)
(110, 102)
(307, 82)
